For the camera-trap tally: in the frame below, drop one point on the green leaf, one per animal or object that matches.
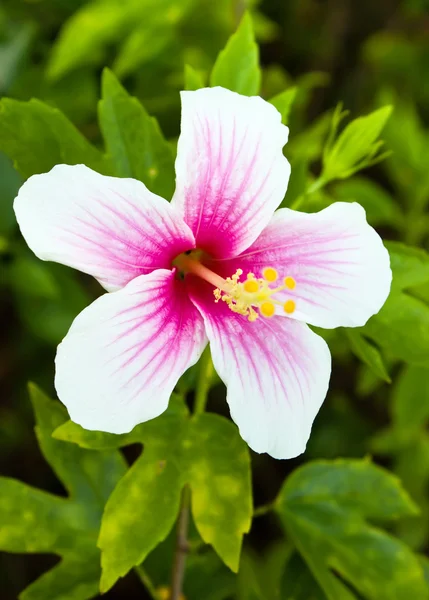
(324, 507)
(298, 582)
(48, 297)
(34, 521)
(410, 266)
(134, 139)
(37, 137)
(219, 476)
(410, 402)
(86, 34)
(9, 185)
(380, 207)
(402, 328)
(193, 79)
(283, 102)
(402, 325)
(142, 45)
(367, 353)
(237, 66)
(356, 147)
(206, 453)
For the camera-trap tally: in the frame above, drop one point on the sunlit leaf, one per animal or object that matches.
(37, 137)
(283, 102)
(237, 66)
(206, 453)
(134, 139)
(356, 147)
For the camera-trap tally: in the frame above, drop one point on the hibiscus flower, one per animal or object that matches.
(216, 265)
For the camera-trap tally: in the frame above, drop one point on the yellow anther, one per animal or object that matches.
(290, 283)
(267, 309)
(270, 274)
(251, 286)
(289, 306)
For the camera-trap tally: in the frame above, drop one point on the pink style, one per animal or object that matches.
(216, 265)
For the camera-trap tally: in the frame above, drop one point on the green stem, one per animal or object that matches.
(263, 510)
(204, 380)
(182, 544)
(146, 581)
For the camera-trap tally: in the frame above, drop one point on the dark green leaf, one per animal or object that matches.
(324, 507)
(381, 208)
(237, 66)
(134, 139)
(367, 353)
(298, 583)
(402, 328)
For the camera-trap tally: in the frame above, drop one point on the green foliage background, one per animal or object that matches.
(350, 518)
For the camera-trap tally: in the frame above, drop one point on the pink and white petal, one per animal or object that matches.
(276, 372)
(123, 355)
(230, 170)
(114, 229)
(341, 268)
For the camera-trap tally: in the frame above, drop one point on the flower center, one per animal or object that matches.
(243, 297)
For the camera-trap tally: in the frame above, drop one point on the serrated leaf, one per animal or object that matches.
(37, 137)
(193, 79)
(356, 147)
(35, 521)
(283, 102)
(206, 453)
(367, 353)
(134, 139)
(219, 475)
(324, 507)
(237, 66)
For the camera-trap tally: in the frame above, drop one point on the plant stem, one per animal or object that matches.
(145, 579)
(204, 380)
(263, 510)
(182, 544)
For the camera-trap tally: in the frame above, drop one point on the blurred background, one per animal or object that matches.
(363, 54)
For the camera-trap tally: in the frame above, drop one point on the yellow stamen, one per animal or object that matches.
(290, 283)
(267, 309)
(270, 274)
(289, 306)
(251, 286)
(252, 297)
